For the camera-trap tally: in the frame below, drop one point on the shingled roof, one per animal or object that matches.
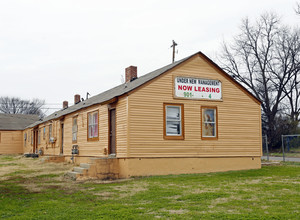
(13, 122)
(127, 87)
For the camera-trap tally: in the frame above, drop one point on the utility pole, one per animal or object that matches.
(173, 45)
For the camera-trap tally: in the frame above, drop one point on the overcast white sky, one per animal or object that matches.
(54, 49)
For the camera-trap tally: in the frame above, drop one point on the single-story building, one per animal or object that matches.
(11, 132)
(187, 117)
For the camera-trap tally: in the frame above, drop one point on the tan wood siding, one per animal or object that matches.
(239, 132)
(121, 125)
(27, 148)
(11, 142)
(86, 148)
(45, 144)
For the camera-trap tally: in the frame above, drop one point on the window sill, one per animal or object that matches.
(209, 138)
(93, 139)
(173, 137)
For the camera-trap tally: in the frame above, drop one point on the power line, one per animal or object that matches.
(27, 108)
(29, 103)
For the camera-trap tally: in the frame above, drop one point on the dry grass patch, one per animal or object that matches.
(178, 212)
(36, 166)
(104, 195)
(130, 190)
(34, 174)
(201, 190)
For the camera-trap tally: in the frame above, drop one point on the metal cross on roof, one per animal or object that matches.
(174, 45)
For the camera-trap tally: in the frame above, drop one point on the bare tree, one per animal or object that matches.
(297, 9)
(13, 105)
(264, 58)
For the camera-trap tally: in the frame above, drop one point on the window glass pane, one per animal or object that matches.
(208, 130)
(74, 130)
(209, 115)
(173, 128)
(173, 113)
(96, 119)
(90, 131)
(90, 119)
(75, 124)
(93, 124)
(95, 131)
(209, 123)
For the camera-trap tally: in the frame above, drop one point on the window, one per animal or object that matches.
(39, 136)
(25, 139)
(74, 130)
(50, 131)
(173, 121)
(93, 126)
(44, 133)
(209, 123)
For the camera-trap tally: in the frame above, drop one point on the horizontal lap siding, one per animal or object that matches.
(121, 127)
(87, 148)
(11, 142)
(47, 147)
(238, 118)
(27, 147)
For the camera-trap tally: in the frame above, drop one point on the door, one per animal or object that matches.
(62, 138)
(35, 141)
(112, 132)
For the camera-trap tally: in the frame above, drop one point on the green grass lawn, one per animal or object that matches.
(272, 192)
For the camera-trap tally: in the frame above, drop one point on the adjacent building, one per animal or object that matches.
(11, 132)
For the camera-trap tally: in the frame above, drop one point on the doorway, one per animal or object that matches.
(62, 138)
(35, 140)
(112, 132)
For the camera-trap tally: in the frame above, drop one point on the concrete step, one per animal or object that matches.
(80, 169)
(85, 165)
(72, 175)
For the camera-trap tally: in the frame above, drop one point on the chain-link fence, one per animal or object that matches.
(289, 151)
(265, 148)
(290, 146)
